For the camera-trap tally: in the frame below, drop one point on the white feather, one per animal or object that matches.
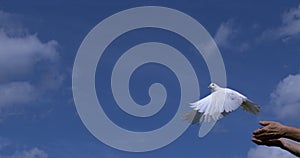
(219, 103)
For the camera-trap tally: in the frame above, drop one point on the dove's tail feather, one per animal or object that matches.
(205, 128)
(193, 117)
(251, 107)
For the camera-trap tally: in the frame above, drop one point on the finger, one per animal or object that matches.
(264, 136)
(259, 131)
(259, 136)
(264, 123)
(256, 141)
(265, 142)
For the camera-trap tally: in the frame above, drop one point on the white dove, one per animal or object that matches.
(216, 105)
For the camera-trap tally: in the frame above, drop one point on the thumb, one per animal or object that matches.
(264, 123)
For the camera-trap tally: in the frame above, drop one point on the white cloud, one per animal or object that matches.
(230, 34)
(16, 152)
(286, 97)
(224, 33)
(273, 152)
(15, 93)
(29, 67)
(32, 153)
(19, 55)
(291, 23)
(227, 35)
(11, 23)
(289, 28)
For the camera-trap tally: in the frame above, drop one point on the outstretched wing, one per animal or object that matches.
(233, 100)
(218, 104)
(250, 106)
(212, 108)
(202, 105)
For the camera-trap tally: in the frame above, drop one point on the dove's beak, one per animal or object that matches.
(209, 87)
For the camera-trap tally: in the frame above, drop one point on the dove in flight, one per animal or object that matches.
(219, 103)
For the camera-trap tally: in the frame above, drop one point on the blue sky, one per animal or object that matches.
(259, 43)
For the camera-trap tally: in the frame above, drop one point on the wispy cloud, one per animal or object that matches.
(16, 152)
(16, 92)
(224, 33)
(31, 153)
(11, 23)
(20, 55)
(274, 152)
(289, 28)
(227, 37)
(286, 98)
(230, 35)
(29, 67)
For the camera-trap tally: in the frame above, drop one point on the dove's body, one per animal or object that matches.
(216, 105)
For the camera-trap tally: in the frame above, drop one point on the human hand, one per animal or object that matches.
(271, 131)
(272, 142)
(274, 134)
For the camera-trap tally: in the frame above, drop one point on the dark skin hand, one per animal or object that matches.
(285, 144)
(274, 134)
(270, 131)
(273, 142)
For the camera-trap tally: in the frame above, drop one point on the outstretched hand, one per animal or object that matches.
(272, 142)
(270, 131)
(275, 134)
(270, 134)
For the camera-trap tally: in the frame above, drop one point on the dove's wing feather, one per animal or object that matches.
(207, 109)
(214, 107)
(241, 100)
(233, 100)
(202, 104)
(210, 114)
(250, 106)
(206, 127)
(199, 107)
(219, 103)
(193, 116)
(214, 111)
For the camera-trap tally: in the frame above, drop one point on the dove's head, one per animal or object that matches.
(213, 87)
